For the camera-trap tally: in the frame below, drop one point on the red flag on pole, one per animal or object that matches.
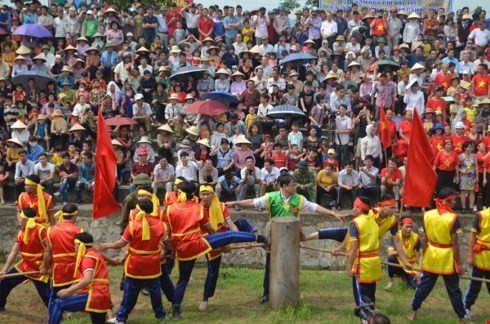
(104, 203)
(421, 178)
(384, 129)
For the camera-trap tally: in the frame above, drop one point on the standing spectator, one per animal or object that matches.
(232, 26)
(348, 182)
(468, 176)
(163, 176)
(68, 172)
(395, 26)
(343, 129)
(314, 23)
(205, 25)
(109, 60)
(260, 21)
(150, 23)
(172, 18)
(371, 146)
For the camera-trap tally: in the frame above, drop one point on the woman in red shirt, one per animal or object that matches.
(438, 138)
(445, 165)
(473, 134)
(405, 129)
(483, 160)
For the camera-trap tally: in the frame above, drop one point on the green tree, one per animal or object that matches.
(291, 5)
(312, 3)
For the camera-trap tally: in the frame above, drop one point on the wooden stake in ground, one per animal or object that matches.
(284, 266)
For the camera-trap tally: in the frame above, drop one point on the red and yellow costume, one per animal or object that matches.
(144, 235)
(61, 239)
(99, 295)
(41, 202)
(481, 250)
(31, 241)
(185, 219)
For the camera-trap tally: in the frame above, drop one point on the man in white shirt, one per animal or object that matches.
(162, 29)
(239, 45)
(163, 176)
(45, 171)
(265, 47)
(481, 35)
(269, 175)
(142, 112)
(275, 79)
(251, 175)
(343, 128)
(466, 65)
(186, 168)
(329, 29)
(59, 25)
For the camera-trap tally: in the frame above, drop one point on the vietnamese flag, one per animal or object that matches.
(104, 203)
(383, 129)
(420, 179)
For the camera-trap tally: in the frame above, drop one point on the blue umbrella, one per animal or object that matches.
(182, 73)
(304, 58)
(280, 112)
(222, 96)
(41, 79)
(33, 30)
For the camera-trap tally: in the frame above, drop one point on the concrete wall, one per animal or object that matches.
(107, 229)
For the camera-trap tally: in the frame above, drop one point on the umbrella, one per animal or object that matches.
(33, 30)
(120, 121)
(222, 96)
(392, 64)
(41, 79)
(280, 112)
(182, 73)
(207, 107)
(297, 57)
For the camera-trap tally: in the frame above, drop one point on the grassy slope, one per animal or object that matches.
(326, 297)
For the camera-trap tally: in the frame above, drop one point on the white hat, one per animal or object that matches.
(459, 125)
(139, 96)
(242, 140)
(204, 142)
(18, 124)
(77, 127)
(413, 16)
(90, 12)
(417, 66)
(193, 130)
(116, 142)
(166, 128)
(174, 96)
(15, 141)
(411, 83)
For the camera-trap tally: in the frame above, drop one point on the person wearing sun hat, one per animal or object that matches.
(20, 67)
(109, 59)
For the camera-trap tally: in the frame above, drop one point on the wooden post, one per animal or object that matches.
(284, 267)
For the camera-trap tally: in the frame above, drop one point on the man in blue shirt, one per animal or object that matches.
(230, 187)
(86, 175)
(451, 59)
(34, 149)
(219, 27)
(232, 25)
(109, 59)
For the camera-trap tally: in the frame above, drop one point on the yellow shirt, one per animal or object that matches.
(471, 113)
(246, 32)
(326, 180)
(249, 121)
(57, 159)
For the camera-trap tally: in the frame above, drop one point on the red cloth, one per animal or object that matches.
(104, 203)
(384, 129)
(445, 162)
(420, 179)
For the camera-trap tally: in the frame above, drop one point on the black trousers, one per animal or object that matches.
(452, 287)
(475, 286)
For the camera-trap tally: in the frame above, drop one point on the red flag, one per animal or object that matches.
(421, 179)
(384, 129)
(104, 203)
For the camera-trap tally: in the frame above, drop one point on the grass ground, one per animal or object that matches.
(326, 297)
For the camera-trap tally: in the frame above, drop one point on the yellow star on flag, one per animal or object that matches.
(482, 84)
(383, 125)
(444, 84)
(439, 146)
(380, 27)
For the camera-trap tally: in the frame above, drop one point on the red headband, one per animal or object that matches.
(407, 220)
(358, 202)
(388, 202)
(442, 206)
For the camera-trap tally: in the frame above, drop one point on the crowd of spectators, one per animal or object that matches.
(121, 62)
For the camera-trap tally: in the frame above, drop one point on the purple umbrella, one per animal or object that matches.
(33, 30)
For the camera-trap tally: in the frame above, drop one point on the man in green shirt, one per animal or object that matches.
(305, 180)
(285, 202)
(90, 25)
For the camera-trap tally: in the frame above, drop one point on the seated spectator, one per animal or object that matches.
(45, 171)
(305, 181)
(269, 175)
(142, 112)
(86, 175)
(225, 157)
(326, 183)
(230, 188)
(208, 174)
(143, 165)
(33, 149)
(163, 176)
(349, 182)
(23, 168)
(186, 168)
(369, 179)
(4, 177)
(279, 158)
(68, 172)
(251, 176)
(391, 178)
